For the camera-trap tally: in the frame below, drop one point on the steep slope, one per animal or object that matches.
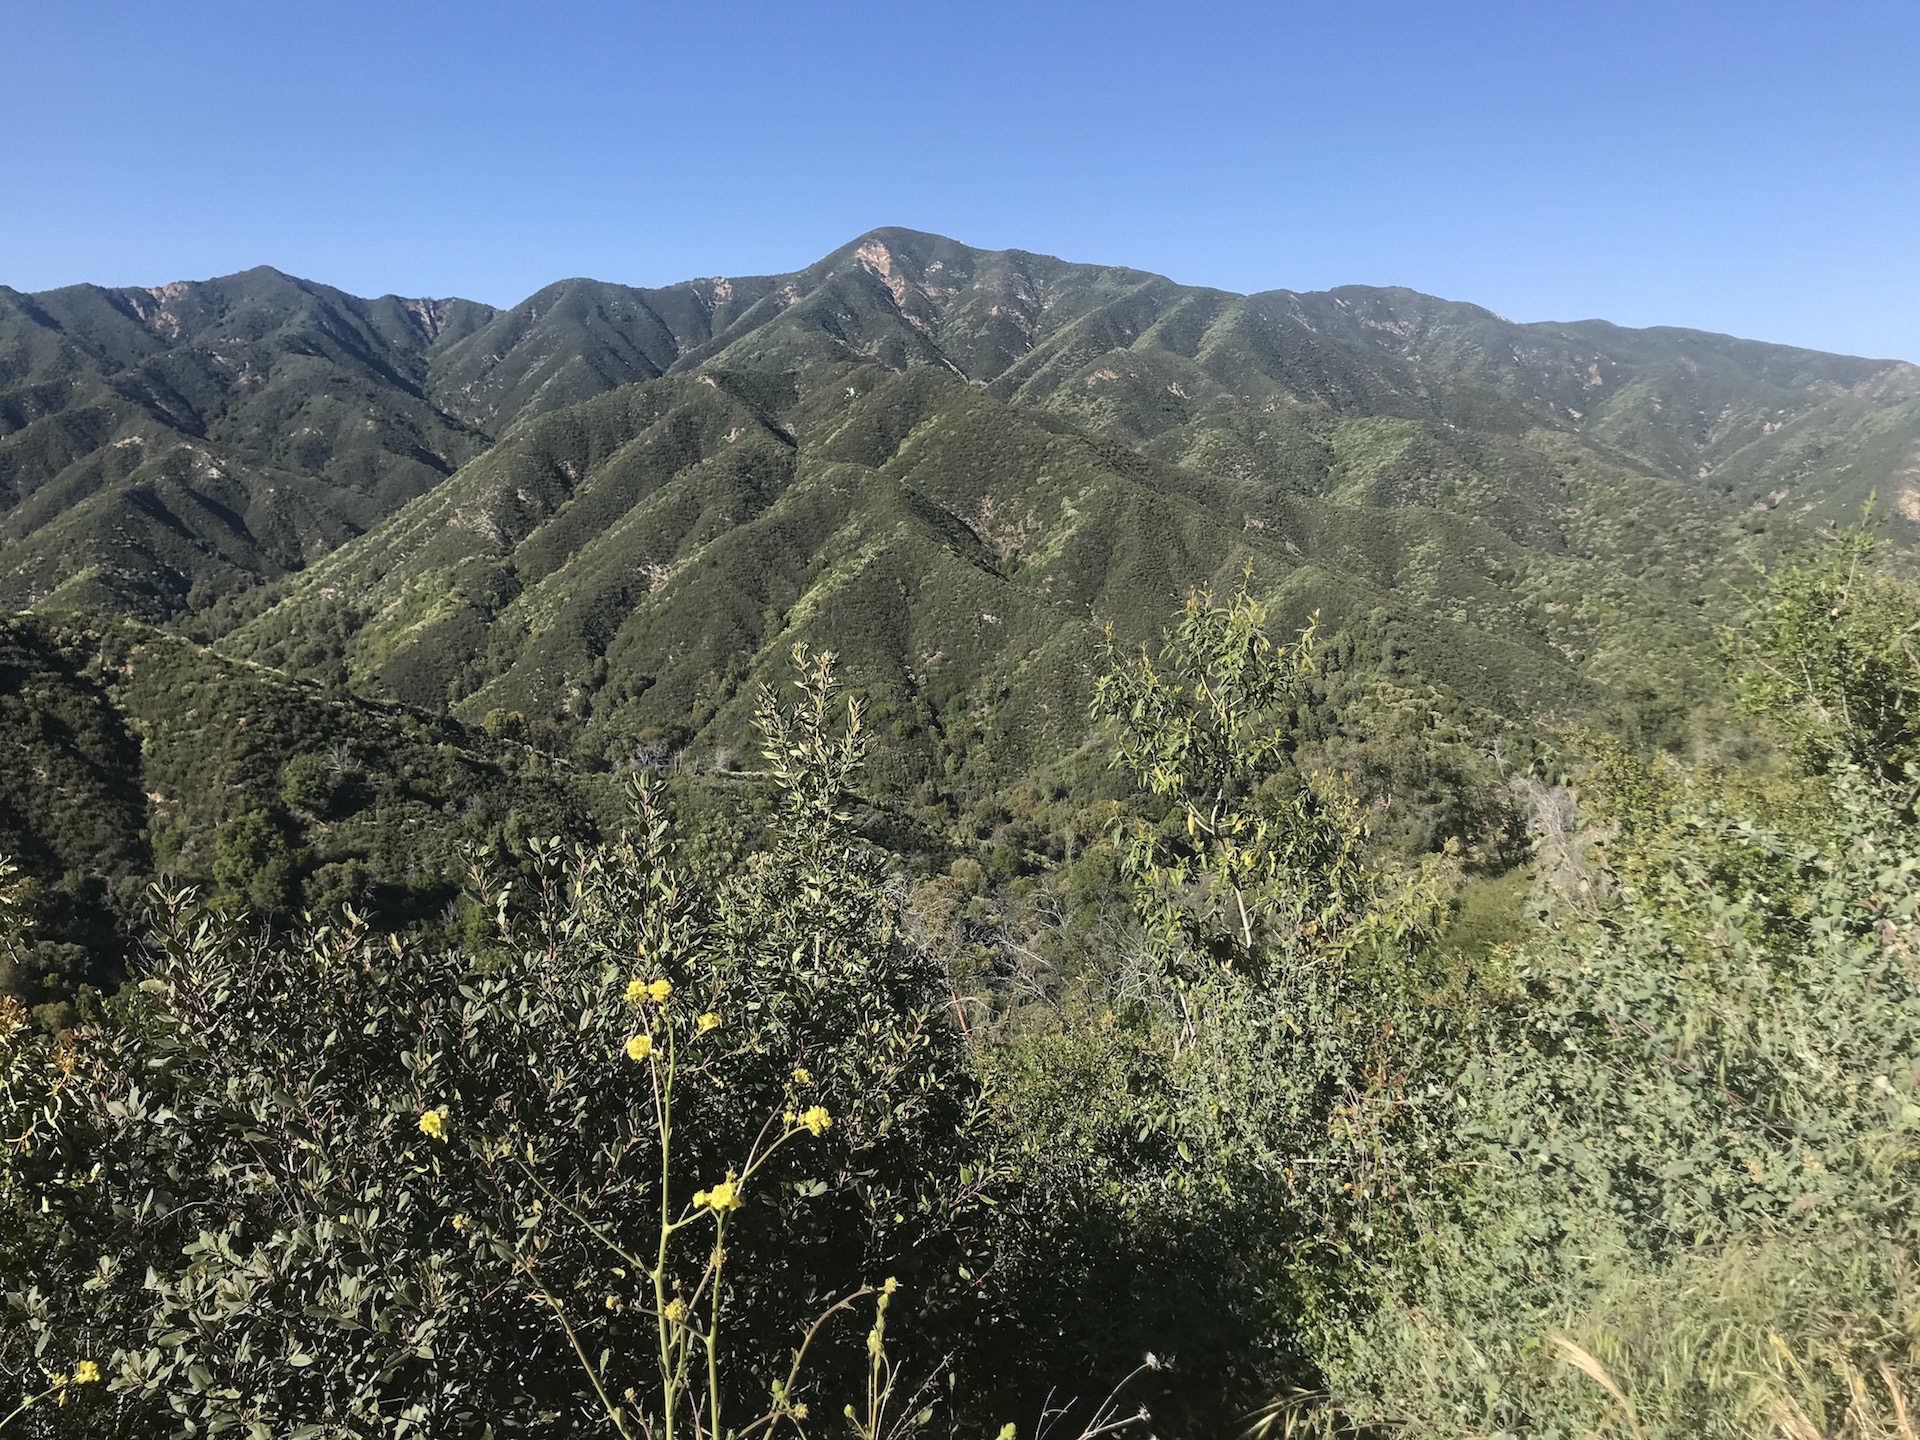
(1032, 326)
(873, 452)
(626, 567)
(598, 518)
(1180, 369)
(577, 339)
(161, 447)
(128, 753)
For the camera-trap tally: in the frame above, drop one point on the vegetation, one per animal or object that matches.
(473, 970)
(1693, 1116)
(365, 1185)
(638, 1148)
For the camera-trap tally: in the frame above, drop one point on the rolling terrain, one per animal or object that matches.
(427, 531)
(949, 465)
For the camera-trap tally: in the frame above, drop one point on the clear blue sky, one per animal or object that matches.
(1737, 165)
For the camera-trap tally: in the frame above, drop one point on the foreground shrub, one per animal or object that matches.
(1697, 1186)
(1216, 1152)
(353, 1184)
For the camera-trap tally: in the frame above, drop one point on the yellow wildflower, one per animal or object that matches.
(433, 1123)
(723, 1197)
(817, 1120)
(639, 1047)
(461, 1224)
(636, 990)
(802, 1075)
(708, 1021)
(799, 1412)
(677, 1312)
(86, 1373)
(659, 990)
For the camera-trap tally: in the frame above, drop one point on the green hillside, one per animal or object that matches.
(597, 520)
(162, 450)
(128, 754)
(951, 466)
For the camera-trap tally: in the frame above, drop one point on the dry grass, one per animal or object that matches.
(1871, 1412)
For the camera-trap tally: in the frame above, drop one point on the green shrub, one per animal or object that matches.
(1693, 1210)
(356, 1183)
(253, 861)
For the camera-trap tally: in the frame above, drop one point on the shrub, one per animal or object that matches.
(354, 1183)
(1693, 1144)
(1216, 1159)
(253, 861)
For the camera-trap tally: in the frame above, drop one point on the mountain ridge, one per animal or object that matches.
(230, 434)
(445, 629)
(579, 533)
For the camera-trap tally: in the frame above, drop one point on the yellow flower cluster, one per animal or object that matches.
(815, 1119)
(433, 1123)
(708, 1021)
(655, 990)
(639, 1047)
(723, 1197)
(676, 1312)
(86, 1373)
(802, 1075)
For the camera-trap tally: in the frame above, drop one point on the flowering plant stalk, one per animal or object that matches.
(59, 1389)
(690, 1322)
(688, 1315)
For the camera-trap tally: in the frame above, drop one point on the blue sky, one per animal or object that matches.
(1750, 167)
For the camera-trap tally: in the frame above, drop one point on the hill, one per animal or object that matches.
(129, 755)
(950, 465)
(163, 449)
(425, 532)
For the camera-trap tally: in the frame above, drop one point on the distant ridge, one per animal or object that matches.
(351, 583)
(613, 505)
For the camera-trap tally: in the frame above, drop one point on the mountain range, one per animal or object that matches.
(600, 515)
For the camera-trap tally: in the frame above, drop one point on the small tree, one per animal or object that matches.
(1251, 864)
(1275, 1097)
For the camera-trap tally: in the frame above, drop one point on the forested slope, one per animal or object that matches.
(128, 754)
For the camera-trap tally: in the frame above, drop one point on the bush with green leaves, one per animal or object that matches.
(1219, 1150)
(348, 1183)
(1828, 656)
(1694, 1210)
